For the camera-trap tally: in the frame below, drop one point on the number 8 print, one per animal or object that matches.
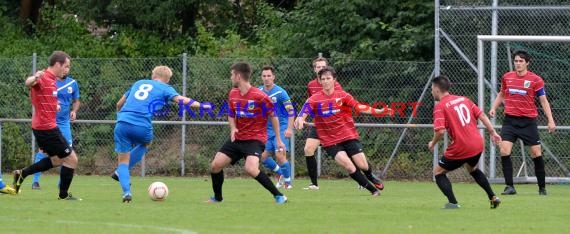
(142, 92)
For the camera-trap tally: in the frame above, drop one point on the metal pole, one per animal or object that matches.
(395, 150)
(292, 159)
(34, 69)
(1, 150)
(183, 130)
(494, 29)
(480, 87)
(436, 67)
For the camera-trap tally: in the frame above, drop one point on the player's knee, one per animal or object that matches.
(310, 149)
(438, 170)
(251, 170)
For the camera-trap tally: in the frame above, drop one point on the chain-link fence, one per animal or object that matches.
(103, 81)
(460, 23)
(187, 149)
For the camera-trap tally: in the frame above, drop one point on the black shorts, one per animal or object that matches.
(313, 133)
(450, 164)
(52, 142)
(240, 149)
(524, 128)
(351, 147)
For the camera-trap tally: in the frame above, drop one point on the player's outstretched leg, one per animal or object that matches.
(125, 181)
(482, 181)
(507, 165)
(286, 171)
(137, 153)
(445, 186)
(540, 175)
(270, 164)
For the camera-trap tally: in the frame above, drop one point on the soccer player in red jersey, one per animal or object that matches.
(331, 109)
(518, 91)
(312, 142)
(249, 110)
(458, 115)
(48, 136)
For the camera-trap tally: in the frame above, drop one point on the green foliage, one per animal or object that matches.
(392, 30)
(15, 150)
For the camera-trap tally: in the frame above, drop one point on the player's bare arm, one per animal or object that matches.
(290, 120)
(186, 100)
(233, 128)
(275, 123)
(121, 102)
(300, 121)
(74, 108)
(437, 136)
(367, 110)
(496, 138)
(548, 112)
(33, 80)
(498, 100)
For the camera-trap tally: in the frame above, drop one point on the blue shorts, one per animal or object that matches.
(65, 130)
(271, 145)
(128, 135)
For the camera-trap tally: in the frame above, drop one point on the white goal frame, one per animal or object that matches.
(481, 100)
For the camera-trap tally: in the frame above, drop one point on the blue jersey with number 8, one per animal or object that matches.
(143, 98)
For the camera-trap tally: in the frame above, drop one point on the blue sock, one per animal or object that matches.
(39, 156)
(286, 171)
(137, 154)
(271, 164)
(2, 185)
(124, 178)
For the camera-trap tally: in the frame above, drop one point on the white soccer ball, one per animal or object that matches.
(158, 191)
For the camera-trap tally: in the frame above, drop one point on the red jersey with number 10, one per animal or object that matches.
(250, 112)
(44, 100)
(459, 116)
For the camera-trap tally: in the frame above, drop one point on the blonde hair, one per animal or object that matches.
(162, 72)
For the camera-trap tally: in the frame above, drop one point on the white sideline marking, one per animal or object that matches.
(165, 229)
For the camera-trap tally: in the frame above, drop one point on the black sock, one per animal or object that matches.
(264, 180)
(445, 186)
(217, 182)
(507, 169)
(359, 178)
(312, 168)
(42, 165)
(539, 171)
(368, 174)
(483, 182)
(65, 177)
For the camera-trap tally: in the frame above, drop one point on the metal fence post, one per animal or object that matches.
(34, 69)
(183, 130)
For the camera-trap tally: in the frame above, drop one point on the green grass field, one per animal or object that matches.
(338, 207)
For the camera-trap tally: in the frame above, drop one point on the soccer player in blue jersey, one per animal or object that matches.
(286, 113)
(68, 100)
(133, 130)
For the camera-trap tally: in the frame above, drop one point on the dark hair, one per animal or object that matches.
(268, 67)
(244, 69)
(523, 54)
(326, 69)
(442, 82)
(58, 57)
(319, 59)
